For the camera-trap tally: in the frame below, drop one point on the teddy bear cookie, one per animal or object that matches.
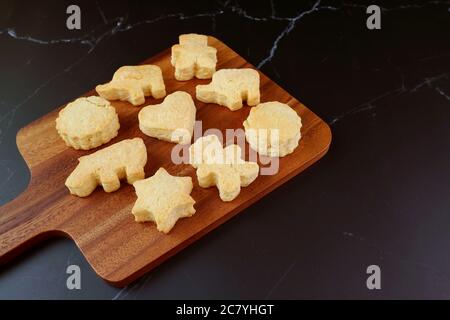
(192, 57)
(273, 129)
(163, 199)
(106, 167)
(221, 167)
(87, 123)
(230, 87)
(172, 120)
(133, 84)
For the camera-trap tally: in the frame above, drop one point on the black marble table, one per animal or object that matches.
(381, 196)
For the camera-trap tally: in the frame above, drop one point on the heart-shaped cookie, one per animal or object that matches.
(172, 120)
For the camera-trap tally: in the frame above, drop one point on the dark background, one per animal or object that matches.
(380, 196)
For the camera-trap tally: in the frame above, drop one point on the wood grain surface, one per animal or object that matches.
(119, 249)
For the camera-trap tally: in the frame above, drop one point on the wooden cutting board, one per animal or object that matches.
(119, 249)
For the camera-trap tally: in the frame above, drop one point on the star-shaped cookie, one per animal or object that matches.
(221, 167)
(163, 199)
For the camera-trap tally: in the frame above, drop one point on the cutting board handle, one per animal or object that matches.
(22, 225)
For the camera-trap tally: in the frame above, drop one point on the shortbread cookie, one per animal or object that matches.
(193, 57)
(163, 199)
(133, 84)
(221, 167)
(229, 87)
(173, 120)
(125, 159)
(205, 150)
(87, 123)
(273, 129)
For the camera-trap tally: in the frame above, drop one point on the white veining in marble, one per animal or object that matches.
(134, 287)
(442, 93)
(101, 12)
(401, 7)
(370, 105)
(84, 40)
(292, 23)
(233, 7)
(280, 280)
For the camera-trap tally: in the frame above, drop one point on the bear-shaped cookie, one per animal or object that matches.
(133, 84)
(172, 120)
(163, 199)
(193, 57)
(230, 87)
(87, 123)
(221, 167)
(273, 129)
(106, 167)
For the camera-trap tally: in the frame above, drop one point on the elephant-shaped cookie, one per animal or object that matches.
(133, 84)
(230, 87)
(106, 167)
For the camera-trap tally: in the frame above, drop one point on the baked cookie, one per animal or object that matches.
(273, 129)
(133, 84)
(87, 123)
(205, 150)
(163, 199)
(125, 159)
(229, 87)
(172, 120)
(193, 57)
(221, 167)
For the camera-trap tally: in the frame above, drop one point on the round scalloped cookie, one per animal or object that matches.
(87, 123)
(273, 129)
